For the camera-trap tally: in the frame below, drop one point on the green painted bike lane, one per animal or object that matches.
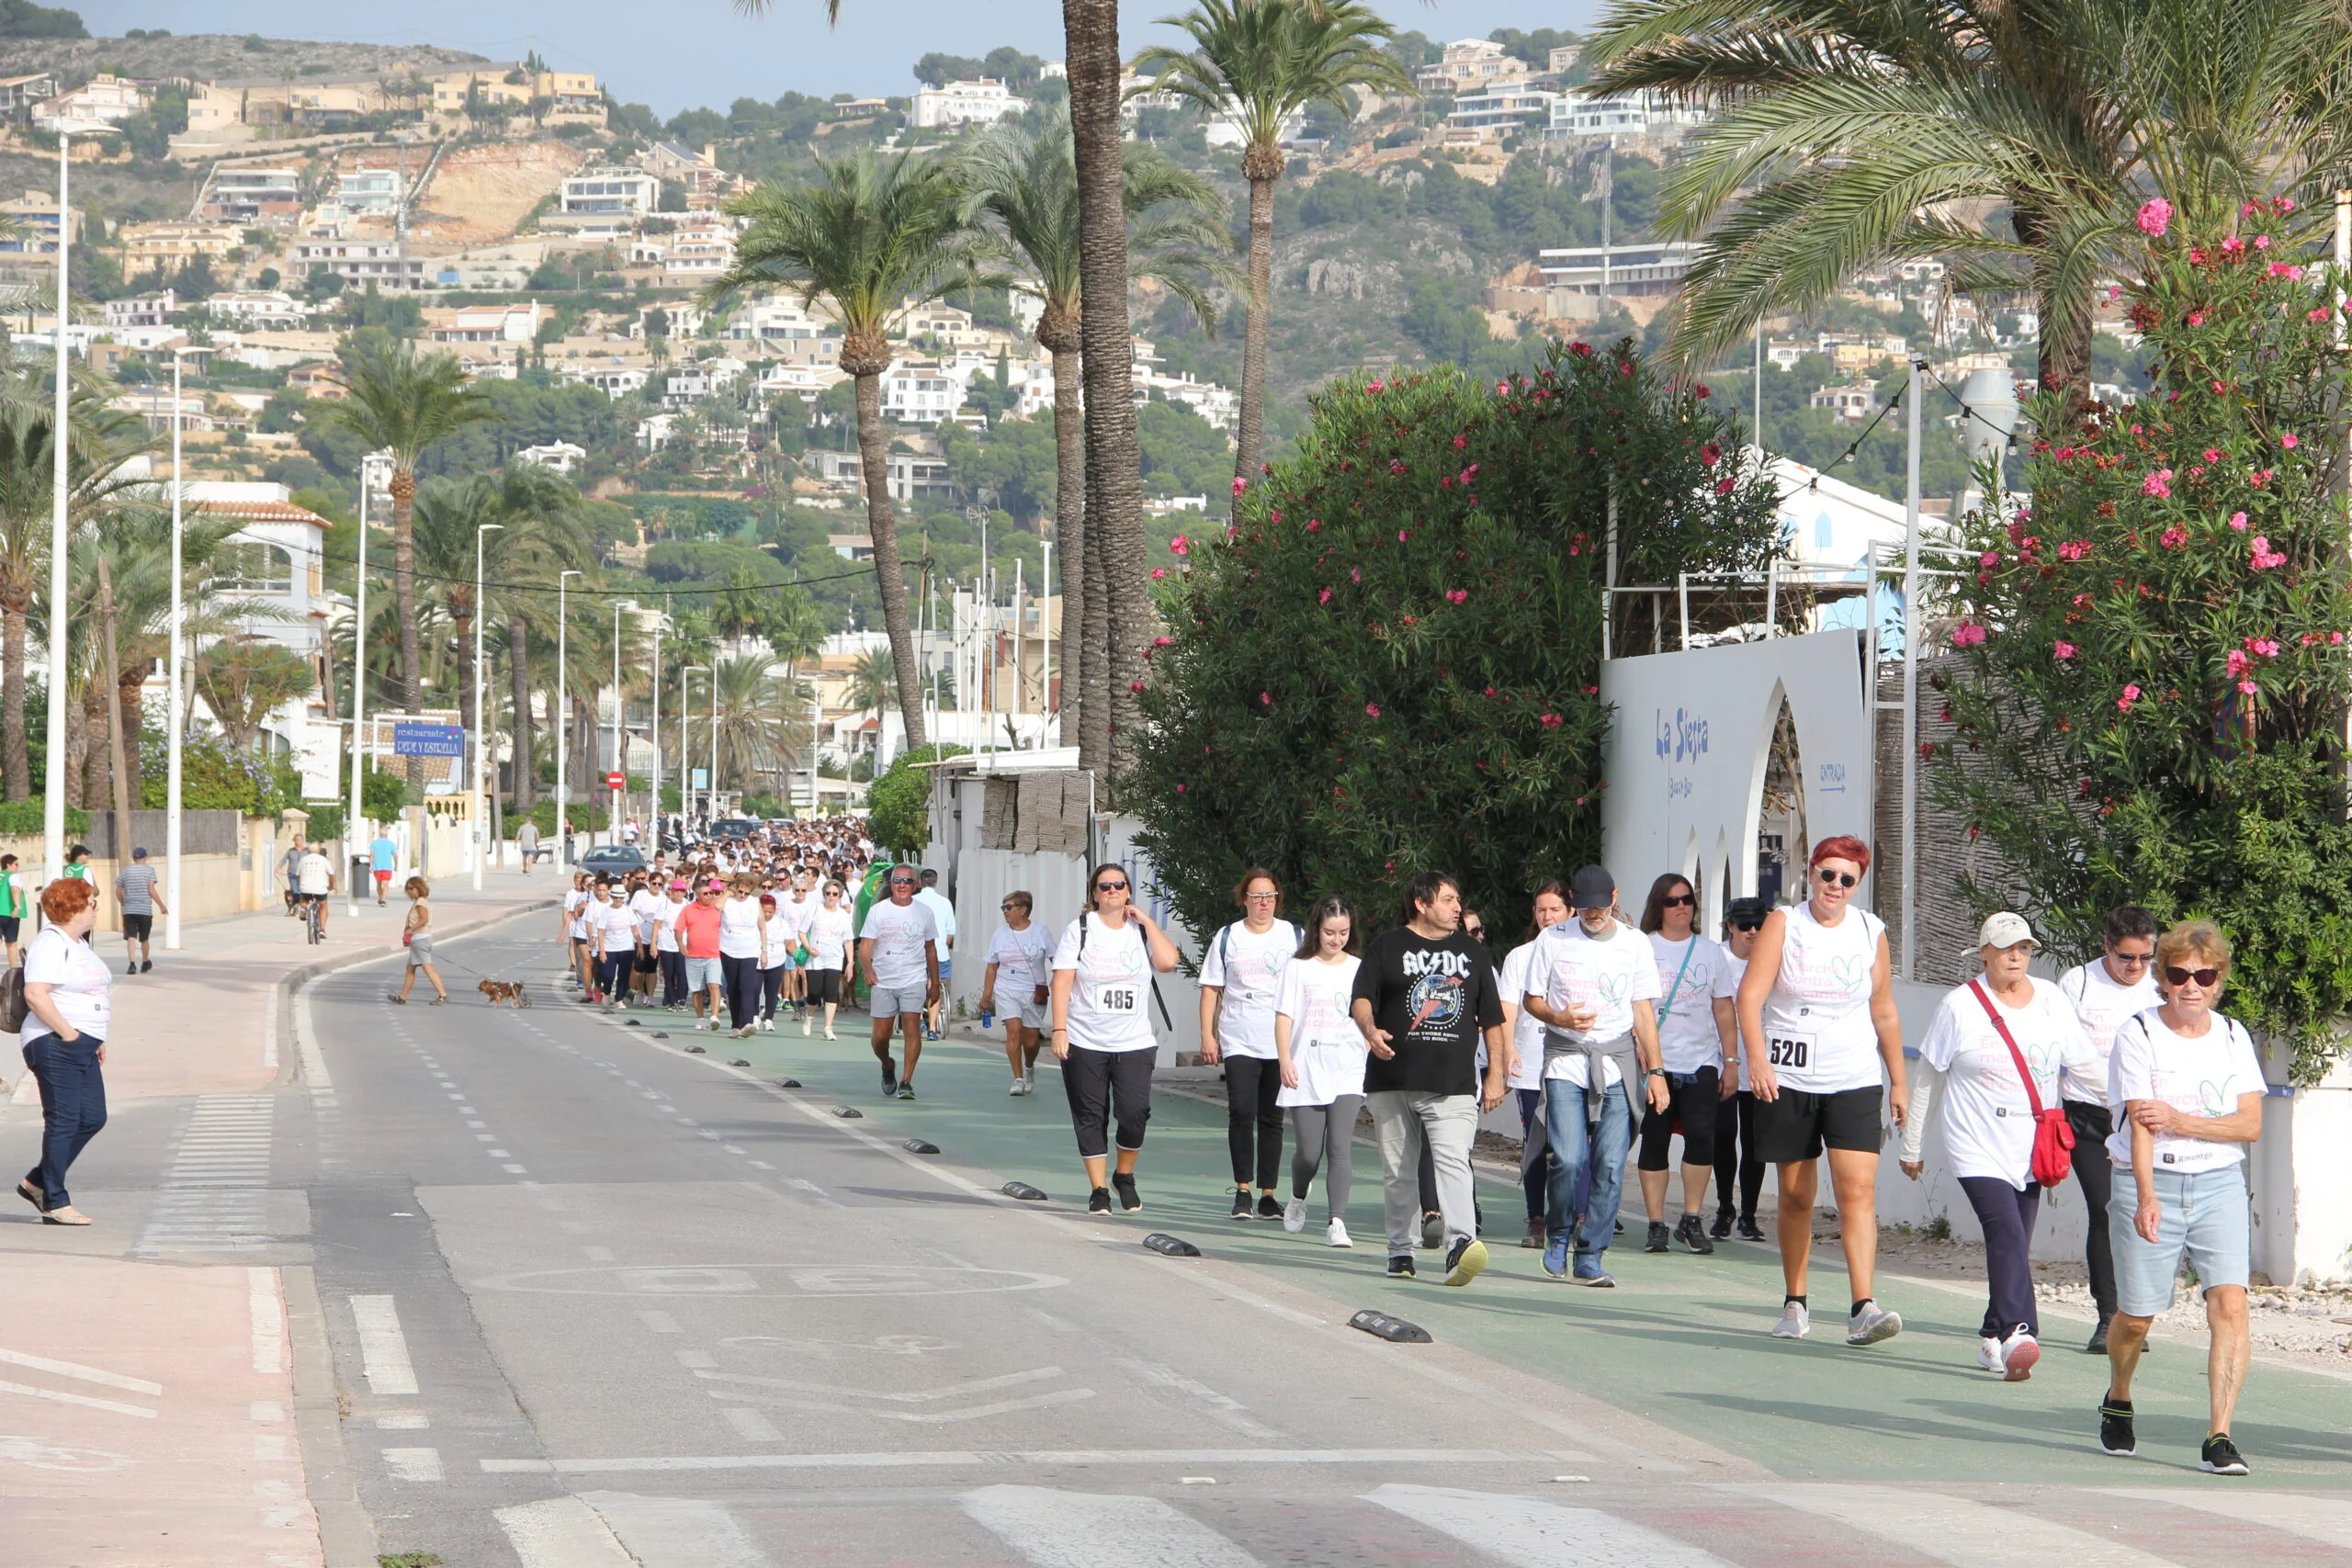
(1682, 1341)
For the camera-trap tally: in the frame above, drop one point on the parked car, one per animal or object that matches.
(614, 860)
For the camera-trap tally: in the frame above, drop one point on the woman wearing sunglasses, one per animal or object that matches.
(1020, 959)
(2114, 988)
(1738, 1173)
(1825, 1059)
(828, 933)
(1687, 963)
(1102, 1034)
(2186, 1092)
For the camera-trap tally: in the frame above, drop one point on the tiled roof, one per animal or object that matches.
(264, 512)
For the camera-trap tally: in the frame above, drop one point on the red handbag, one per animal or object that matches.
(2053, 1137)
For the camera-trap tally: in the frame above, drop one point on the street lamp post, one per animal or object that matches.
(482, 720)
(653, 693)
(358, 673)
(620, 736)
(686, 737)
(53, 820)
(174, 719)
(562, 795)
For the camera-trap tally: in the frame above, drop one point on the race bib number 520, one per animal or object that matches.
(1788, 1050)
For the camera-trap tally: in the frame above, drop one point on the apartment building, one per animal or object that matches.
(386, 263)
(1466, 64)
(1639, 113)
(110, 100)
(607, 193)
(168, 246)
(558, 97)
(253, 196)
(983, 102)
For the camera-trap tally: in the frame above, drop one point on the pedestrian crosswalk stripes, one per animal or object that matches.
(215, 1197)
(1011, 1526)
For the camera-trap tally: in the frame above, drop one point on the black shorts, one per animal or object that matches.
(825, 986)
(135, 928)
(1691, 1112)
(1797, 1125)
(9, 926)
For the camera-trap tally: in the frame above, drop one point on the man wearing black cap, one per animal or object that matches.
(134, 888)
(1424, 994)
(1736, 1166)
(1592, 980)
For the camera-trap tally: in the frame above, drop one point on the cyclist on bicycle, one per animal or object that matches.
(313, 879)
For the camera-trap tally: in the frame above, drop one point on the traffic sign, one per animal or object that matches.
(616, 780)
(702, 778)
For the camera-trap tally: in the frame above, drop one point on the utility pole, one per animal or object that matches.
(1913, 626)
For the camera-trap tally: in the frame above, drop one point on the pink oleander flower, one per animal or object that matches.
(2266, 646)
(2158, 484)
(1355, 574)
(2265, 557)
(2237, 521)
(1549, 720)
(1458, 595)
(1135, 685)
(2131, 694)
(2249, 688)
(1459, 442)
(2238, 663)
(1315, 525)
(1240, 484)
(2173, 539)
(1323, 596)
(2064, 649)
(2074, 549)
(2212, 454)
(2195, 318)
(2289, 441)
(1967, 634)
(1265, 699)
(1180, 546)
(1989, 560)
(1372, 710)
(2156, 217)
(1375, 387)
(2317, 314)
(1723, 487)
(2262, 242)
(1157, 572)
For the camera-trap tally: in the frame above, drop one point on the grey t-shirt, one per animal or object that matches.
(136, 885)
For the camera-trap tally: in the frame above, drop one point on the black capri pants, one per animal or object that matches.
(1253, 1124)
(1104, 1087)
(825, 986)
(743, 977)
(1692, 1111)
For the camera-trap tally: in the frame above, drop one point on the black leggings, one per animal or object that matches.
(1253, 1122)
(742, 976)
(1736, 1154)
(770, 987)
(674, 979)
(1693, 1107)
(1104, 1084)
(612, 974)
(2094, 1170)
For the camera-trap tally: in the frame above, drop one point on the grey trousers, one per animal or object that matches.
(1403, 1118)
(1321, 1131)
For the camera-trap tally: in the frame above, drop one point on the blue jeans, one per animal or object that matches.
(1576, 1150)
(73, 1108)
(1535, 1156)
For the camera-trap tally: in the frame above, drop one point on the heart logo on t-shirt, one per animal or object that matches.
(1615, 988)
(1853, 973)
(2213, 1098)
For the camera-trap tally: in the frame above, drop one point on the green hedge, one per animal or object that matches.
(25, 816)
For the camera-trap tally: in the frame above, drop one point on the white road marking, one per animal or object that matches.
(82, 1399)
(2324, 1519)
(1225, 1410)
(1531, 1534)
(1074, 1529)
(268, 1320)
(984, 1386)
(81, 1373)
(306, 1044)
(930, 1418)
(659, 1322)
(561, 1532)
(751, 1426)
(382, 1349)
(265, 1410)
(404, 1421)
(1953, 1529)
(957, 1457)
(213, 1197)
(413, 1464)
(677, 1532)
(269, 1445)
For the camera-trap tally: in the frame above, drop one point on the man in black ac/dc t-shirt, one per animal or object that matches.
(1424, 994)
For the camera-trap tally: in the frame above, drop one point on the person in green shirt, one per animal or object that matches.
(77, 862)
(12, 908)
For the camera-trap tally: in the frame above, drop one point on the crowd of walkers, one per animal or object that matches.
(1776, 1045)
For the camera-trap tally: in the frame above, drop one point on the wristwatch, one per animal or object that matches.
(1657, 1072)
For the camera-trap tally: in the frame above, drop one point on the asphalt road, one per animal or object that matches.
(594, 1302)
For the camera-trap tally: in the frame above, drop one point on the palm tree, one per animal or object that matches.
(2018, 139)
(759, 726)
(1256, 63)
(1025, 183)
(544, 536)
(401, 401)
(870, 236)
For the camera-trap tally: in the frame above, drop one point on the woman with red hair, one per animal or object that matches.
(68, 1000)
(1823, 1046)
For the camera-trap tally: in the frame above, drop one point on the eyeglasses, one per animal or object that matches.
(1837, 878)
(1261, 898)
(1109, 887)
(2205, 978)
(1677, 900)
(2134, 959)
(902, 882)
(1006, 908)
(1747, 925)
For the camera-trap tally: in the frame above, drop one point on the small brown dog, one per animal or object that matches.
(509, 992)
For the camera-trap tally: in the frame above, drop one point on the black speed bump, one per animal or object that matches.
(920, 1146)
(659, 1034)
(631, 1023)
(849, 1113)
(1395, 1330)
(1024, 1191)
(1171, 1245)
(787, 1083)
(695, 1051)
(739, 1062)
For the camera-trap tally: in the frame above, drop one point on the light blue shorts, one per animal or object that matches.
(2207, 1220)
(888, 1002)
(702, 973)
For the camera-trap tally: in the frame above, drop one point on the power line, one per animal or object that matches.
(606, 592)
(1848, 456)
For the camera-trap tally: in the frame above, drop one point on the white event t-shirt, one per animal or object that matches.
(1526, 1029)
(898, 933)
(2202, 1076)
(1112, 986)
(739, 927)
(665, 926)
(1987, 1120)
(1023, 961)
(1607, 974)
(80, 983)
(1686, 1010)
(829, 938)
(1249, 965)
(2102, 1005)
(1327, 1049)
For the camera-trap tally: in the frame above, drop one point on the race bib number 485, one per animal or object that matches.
(1114, 998)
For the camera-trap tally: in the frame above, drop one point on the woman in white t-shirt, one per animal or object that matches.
(739, 951)
(1688, 961)
(1101, 983)
(776, 940)
(1824, 1059)
(1021, 960)
(1319, 1053)
(67, 1007)
(665, 947)
(2117, 986)
(1969, 1072)
(1244, 965)
(829, 936)
(1739, 1174)
(1526, 1075)
(2186, 1092)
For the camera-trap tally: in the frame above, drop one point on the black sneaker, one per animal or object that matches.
(146, 965)
(2098, 1347)
(1746, 1229)
(889, 1078)
(1432, 1232)
(1241, 1202)
(1129, 1199)
(1691, 1234)
(2115, 1434)
(1721, 1229)
(1400, 1266)
(1658, 1237)
(2220, 1457)
(1465, 1260)
(1100, 1202)
(1268, 1209)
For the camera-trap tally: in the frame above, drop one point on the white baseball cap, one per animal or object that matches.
(2004, 929)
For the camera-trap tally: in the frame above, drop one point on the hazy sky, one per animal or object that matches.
(681, 53)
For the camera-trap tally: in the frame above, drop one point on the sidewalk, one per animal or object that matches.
(148, 1408)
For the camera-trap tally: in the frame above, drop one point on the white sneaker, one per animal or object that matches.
(829, 1033)
(1989, 1353)
(1795, 1322)
(806, 1025)
(1019, 1087)
(1336, 1233)
(2019, 1351)
(1295, 1215)
(1872, 1325)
